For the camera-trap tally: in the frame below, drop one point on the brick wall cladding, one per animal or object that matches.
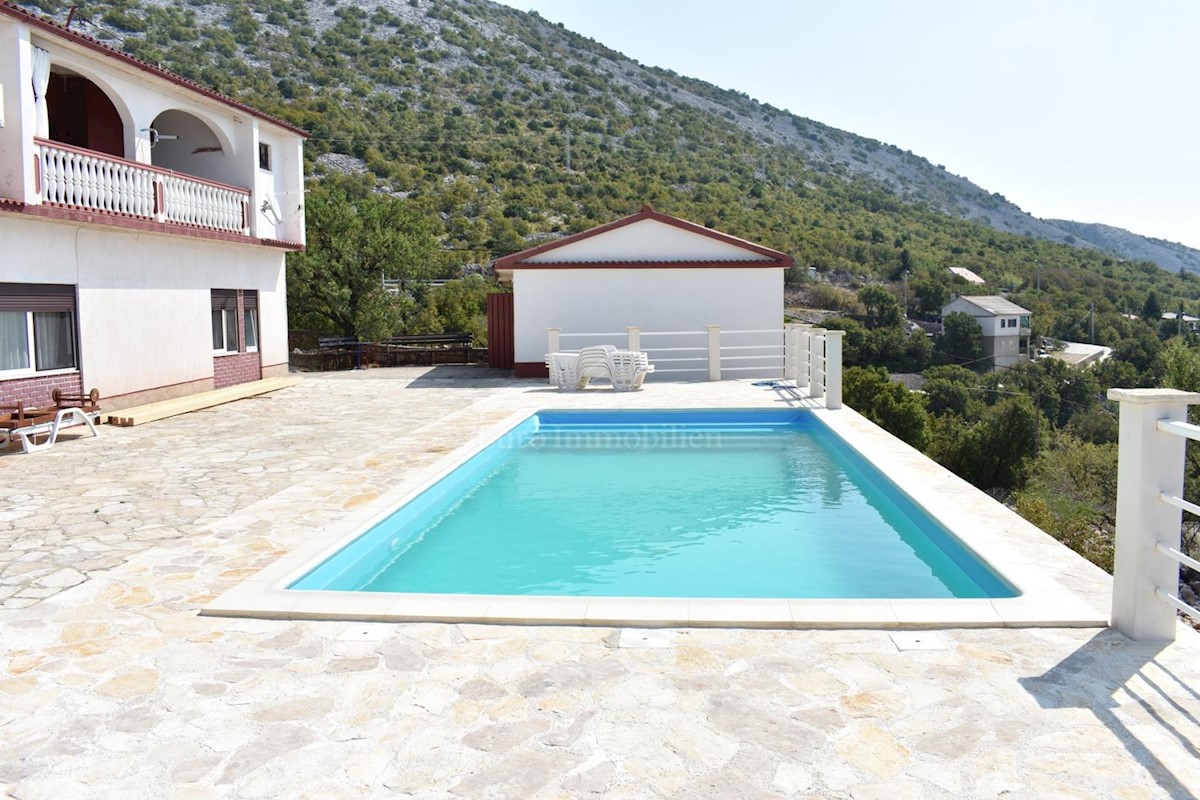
(234, 369)
(35, 391)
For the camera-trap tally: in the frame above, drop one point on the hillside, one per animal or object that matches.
(1168, 255)
(506, 129)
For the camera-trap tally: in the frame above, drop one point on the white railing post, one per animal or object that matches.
(1149, 464)
(789, 351)
(803, 356)
(552, 345)
(714, 352)
(833, 368)
(816, 363)
(635, 337)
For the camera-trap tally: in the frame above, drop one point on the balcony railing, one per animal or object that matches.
(76, 178)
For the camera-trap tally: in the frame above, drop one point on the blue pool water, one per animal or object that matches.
(734, 504)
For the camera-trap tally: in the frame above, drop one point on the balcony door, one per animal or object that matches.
(82, 115)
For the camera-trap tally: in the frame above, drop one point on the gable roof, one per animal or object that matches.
(716, 250)
(49, 26)
(994, 305)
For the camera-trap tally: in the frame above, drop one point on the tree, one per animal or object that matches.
(882, 310)
(930, 296)
(890, 405)
(1151, 309)
(355, 238)
(961, 341)
(1071, 494)
(996, 451)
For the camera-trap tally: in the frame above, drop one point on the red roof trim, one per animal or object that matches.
(514, 261)
(92, 217)
(650, 265)
(50, 26)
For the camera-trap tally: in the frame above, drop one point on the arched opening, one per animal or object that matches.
(81, 114)
(185, 143)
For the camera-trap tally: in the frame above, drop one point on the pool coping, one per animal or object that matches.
(1042, 602)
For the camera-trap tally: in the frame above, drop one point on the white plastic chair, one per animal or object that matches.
(629, 368)
(595, 362)
(564, 370)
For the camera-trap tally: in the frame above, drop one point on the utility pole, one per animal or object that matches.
(1092, 324)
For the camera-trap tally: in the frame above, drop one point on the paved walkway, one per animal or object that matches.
(112, 686)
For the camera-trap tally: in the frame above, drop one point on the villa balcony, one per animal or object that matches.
(75, 177)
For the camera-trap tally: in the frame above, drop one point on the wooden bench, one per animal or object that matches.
(340, 346)
(431, 343)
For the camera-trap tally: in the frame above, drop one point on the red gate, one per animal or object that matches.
(501, 344)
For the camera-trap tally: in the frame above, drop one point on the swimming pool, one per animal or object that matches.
(734, 504)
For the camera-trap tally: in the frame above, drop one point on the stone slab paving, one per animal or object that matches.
(113, 686)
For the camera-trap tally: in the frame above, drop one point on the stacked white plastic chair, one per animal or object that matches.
(595, 362)
(628, 368)
(624, 369)
(564, 370)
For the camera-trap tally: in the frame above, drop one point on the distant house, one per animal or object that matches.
(967, 275)
(1190, 323)
(667, 276)
(1005, 326)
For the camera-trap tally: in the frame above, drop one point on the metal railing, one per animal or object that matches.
(77, 178)
(1150, 505)
(812, 357)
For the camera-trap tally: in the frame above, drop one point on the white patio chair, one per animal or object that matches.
(629, 369)
(564, 370)
(595, 362)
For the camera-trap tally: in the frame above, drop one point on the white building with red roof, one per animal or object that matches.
(145, 220)
(668, 277)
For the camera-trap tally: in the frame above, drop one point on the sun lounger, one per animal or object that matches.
(26, 425)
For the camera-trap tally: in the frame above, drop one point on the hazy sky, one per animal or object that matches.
(1086, 110)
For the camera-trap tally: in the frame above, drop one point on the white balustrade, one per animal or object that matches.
(1150, 463)
(81, 179)
(810, 357)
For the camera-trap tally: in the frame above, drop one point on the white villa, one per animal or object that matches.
(145, 220)
(1005, 326)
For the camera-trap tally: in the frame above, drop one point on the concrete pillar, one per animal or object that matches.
(833, 368)
(714, 352)
(18, 155)
(803, 355)
(635, 337)
(789, 351)
(1149, 463)
(816, 366)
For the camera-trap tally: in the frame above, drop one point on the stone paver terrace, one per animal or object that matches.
(112, 685)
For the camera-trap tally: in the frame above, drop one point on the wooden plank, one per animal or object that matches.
(194, 402)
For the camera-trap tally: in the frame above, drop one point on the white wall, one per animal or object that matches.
(144, 300)
(609, 300)
(647, 240)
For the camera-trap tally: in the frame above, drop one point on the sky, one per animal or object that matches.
(1073, 109)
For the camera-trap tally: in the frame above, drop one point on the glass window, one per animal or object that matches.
(264, 156)
(218, 329)
(14, 340)
(251, 330)
(54, 339)
(231, 332)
